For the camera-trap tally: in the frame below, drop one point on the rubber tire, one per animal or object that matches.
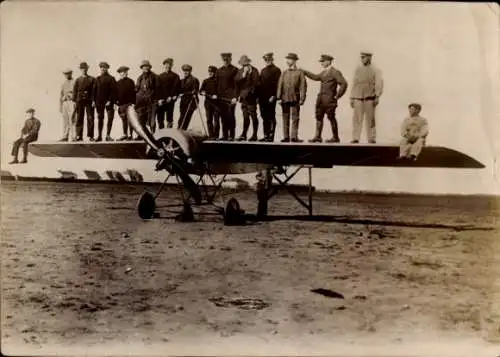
(233, 214)
(146, 205)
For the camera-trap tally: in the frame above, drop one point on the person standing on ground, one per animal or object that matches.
(83, 92)
(367, 88)
(247, 82)
(67, 106)
(125, 97)
(269, 77)
(104, 97)
(291, 93)
(333, 86)
(29, 134)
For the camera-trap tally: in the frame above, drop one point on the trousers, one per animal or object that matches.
(268, 114)
(213, 118)
(291, 109)
(364, 110)
(110, 112)
(187, 108)
(146, 111)
(249, 112)
(165, 110)
(82, 108)
(330, 111)
(228, 118)
(411, 147)
(24, 144)
(68, 116)
(122, 112)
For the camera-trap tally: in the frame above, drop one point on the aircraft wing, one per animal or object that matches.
(314, 154)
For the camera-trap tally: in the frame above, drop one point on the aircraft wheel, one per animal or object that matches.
(146, 205)
(233, 215)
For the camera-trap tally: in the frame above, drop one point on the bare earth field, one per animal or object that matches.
(402, 275)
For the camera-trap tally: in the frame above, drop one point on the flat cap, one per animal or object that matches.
(145, 63)
(325, 57)
(415, 105)
(244, 59)
(168, 60)
(268, 56)
(104, 65)
(212, 69)
(292, 56)
(30, 110)
(187, 67)
(226, 55)
(83, 65)
(366, 53)
(122, 69)
(67, 70)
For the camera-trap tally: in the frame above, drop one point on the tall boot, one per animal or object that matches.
(335, 132)
(319, 129)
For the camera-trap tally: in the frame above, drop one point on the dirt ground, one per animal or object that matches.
(380, 274)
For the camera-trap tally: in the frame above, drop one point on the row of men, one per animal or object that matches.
(414, 132)
(154, 97)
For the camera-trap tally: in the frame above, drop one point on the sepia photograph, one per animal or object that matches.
(257, 178)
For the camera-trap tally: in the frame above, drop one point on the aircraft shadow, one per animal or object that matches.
(350, 220)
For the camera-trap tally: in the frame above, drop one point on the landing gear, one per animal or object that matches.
(187, 214)
(233, 214)
(146, 205)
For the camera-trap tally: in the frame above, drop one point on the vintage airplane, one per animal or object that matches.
(201, 165)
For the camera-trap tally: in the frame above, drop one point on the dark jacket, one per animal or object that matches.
(269, 77)
(31, 128)
(189, 89)
(247, 85)
(333, 85)
(292, 86)
(167, 85)
(104, 89)
(226, 84)
(125, 91)
(209, 86)
(83, 89)
(146, 85)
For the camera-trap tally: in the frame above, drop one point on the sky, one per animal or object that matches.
(443, 55)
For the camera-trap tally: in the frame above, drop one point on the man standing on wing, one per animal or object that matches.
(83, 92)
(67, 106)
(247, 82)
(167, 91)
(190, 86)
(333, 87)
(227, 95)
(104, 97)
(125, 97)
(145, 96)
(269, 77)
(209, 90)
(367, 87)
(292, 88)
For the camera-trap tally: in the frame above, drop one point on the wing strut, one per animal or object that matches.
(266, 190)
